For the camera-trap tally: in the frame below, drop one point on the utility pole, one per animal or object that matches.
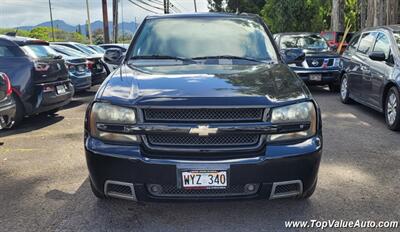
(51, 20)
(166, 6)
(115, 20)
(88, 22)
(105, 22)
(195, 5)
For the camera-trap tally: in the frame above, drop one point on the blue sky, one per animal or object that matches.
(14, 13)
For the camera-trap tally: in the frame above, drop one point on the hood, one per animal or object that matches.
(315, 53)
(265, 84)
(321, 53)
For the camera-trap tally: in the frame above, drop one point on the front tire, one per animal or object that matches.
(344, 90)
(392, 109)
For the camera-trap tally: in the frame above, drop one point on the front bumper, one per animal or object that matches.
(7, 112)
(328, 76)
(279, 163)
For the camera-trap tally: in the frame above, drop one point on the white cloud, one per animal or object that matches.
(14, 13)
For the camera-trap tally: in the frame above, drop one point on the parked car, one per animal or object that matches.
(321, 64)
(123, 47)
(194, 115)
(334, 38)
(95, 63)
(371, 76)
(38, 75)
(77, 65)
(7, 104)
(96, 48)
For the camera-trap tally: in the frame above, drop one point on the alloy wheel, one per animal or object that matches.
(391, 108)
(343, 88)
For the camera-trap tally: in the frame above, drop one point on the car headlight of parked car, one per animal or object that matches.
(302, 114)
(108, 122)
(336, 62)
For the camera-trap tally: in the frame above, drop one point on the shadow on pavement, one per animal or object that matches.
(33, 123)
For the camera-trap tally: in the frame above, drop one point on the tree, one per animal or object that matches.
(248, 6)
(337, 19)
(295, 15)
(215, 5)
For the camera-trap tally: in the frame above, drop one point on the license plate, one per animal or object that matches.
(200, 179)
(60, 89)
(315, 77)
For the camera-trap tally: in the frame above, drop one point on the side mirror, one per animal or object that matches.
(113, 56)
(293, 56)
(377, 56)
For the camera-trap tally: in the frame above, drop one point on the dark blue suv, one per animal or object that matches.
(38, 75)
(190, 115)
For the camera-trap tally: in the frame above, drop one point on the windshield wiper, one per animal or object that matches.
(161, 57)
(227, 57)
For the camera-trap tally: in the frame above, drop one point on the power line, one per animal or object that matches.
(145, 3)
(144, 8)
(157, 2)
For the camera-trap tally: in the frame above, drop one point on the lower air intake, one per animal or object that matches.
(119, 189)
(286, 189)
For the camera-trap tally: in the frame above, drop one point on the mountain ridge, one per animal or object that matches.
(129, 27)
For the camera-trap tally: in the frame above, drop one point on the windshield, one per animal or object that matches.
(85, 49)
(204, 37)
(67, 51)
(396, 35)
(97, 48)
(314, 42)
(39, 51)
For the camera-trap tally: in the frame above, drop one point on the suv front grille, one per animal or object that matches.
(204, 115)
(209, 141)
(173, 191)
(319, 62)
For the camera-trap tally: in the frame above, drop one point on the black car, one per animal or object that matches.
(95, 64)
(7, 104)
(79, 73)
(192, 115)
(321, 65)
(123, 47)
(371, 77)
(38, 75)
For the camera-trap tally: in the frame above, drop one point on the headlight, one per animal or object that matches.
(301, 113)
(336, 62)
(107, 122)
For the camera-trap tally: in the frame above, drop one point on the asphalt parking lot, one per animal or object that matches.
(44, 184)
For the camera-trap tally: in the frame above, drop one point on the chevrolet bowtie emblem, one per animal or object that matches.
(203, 130)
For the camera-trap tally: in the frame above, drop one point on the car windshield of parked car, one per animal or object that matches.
(204, 38)
(39, 51)
(67, 51)
(397, 38)
(85, 49)
(312, 42)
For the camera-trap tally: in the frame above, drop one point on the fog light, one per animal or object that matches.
(250, 187)
(155, 188)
